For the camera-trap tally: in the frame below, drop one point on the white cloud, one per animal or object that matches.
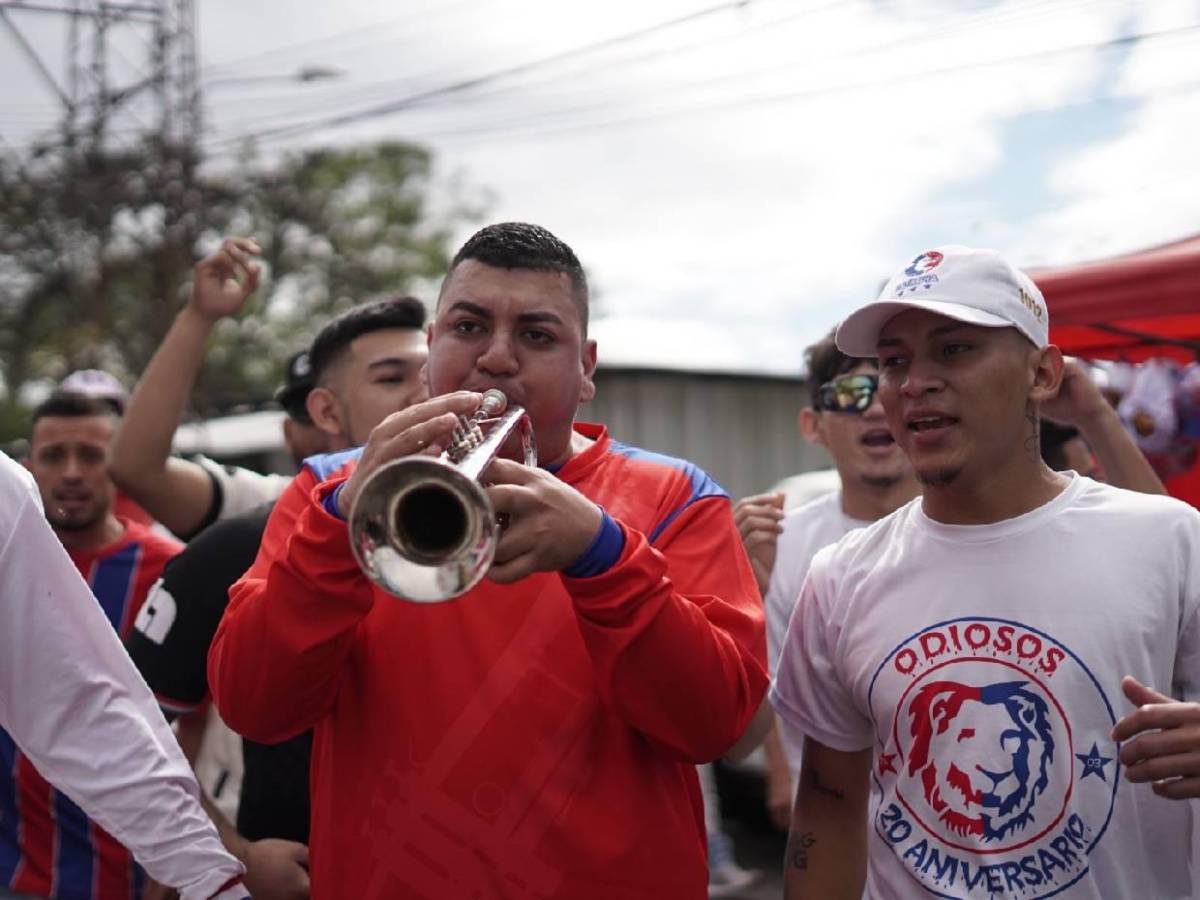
(678, 342)
(780, 216)
(1140, 187)
(737, 233)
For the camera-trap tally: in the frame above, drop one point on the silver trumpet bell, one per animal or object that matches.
(421, 527)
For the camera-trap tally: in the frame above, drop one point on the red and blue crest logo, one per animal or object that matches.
(923, 263)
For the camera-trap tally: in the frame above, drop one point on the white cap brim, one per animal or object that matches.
(858, 334)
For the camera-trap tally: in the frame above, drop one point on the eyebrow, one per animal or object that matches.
(946, 329)
(68, 444)
(526, 318)
(388, 361)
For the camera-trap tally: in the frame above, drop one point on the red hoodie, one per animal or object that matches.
(530, 740)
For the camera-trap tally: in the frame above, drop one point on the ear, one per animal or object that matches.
(1047, 366)
(810, 425)
(325, 411)
(588, 360)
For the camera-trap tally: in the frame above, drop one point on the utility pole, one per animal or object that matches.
(162, 95)
(127, 141)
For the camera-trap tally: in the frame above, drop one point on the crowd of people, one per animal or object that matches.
(982, 650)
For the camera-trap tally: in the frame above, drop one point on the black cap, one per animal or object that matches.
(297, 382)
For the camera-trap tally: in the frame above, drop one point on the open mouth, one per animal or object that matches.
(929, 423)
(879, 437)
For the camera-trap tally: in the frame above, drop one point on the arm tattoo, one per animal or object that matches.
(797, 849)
(815, 782)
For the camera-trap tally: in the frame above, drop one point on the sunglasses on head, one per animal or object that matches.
(848, 393)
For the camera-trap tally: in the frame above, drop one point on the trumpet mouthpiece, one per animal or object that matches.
(494, 402)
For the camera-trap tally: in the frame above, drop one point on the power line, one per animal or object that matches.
(544, 116)
(490, 132)
(1008, 15)
(338, 101)
(325, 41)
(1028, 13)
(476, 81)
(660, 53)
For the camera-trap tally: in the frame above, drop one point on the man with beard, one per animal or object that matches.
(537, 736)
(48, 846)
(972, 653)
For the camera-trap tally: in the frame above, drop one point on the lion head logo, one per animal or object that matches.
(982, 755)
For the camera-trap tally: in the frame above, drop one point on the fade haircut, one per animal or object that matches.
(519, 245)
(69, 405)
(825, 362)
(332, 341)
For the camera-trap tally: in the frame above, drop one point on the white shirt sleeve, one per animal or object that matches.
(241, 490)
(781, 596)
(74, 703)
(808, 691)
(1186, 676)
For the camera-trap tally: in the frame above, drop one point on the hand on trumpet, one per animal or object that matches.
(550, 523)
(424, 428)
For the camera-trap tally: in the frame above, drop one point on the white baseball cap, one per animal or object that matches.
(98, 385)
(979, 287)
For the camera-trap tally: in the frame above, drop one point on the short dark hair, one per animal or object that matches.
(1053, 438)
(332, 340)
(67, 404)
(825, 362)
(519, 245)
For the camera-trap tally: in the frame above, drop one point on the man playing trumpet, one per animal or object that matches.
(537, 736)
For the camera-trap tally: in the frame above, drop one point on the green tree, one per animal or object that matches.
(96, 255)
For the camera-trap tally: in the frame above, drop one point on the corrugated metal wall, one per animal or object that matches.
(741, 429)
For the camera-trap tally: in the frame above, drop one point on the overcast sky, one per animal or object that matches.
(736, 177)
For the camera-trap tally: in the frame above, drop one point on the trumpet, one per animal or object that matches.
(421, 527)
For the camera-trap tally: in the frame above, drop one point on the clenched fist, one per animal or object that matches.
(760, 521)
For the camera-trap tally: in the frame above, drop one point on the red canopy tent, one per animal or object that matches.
(1131, 307)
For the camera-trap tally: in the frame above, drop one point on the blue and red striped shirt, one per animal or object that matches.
(48, 846)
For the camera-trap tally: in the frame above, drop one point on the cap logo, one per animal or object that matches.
(1032, 305)
(923, 263)
(301, 367)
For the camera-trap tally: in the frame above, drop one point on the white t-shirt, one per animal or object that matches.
(807, 529)
(982, 664)
(76, 706)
